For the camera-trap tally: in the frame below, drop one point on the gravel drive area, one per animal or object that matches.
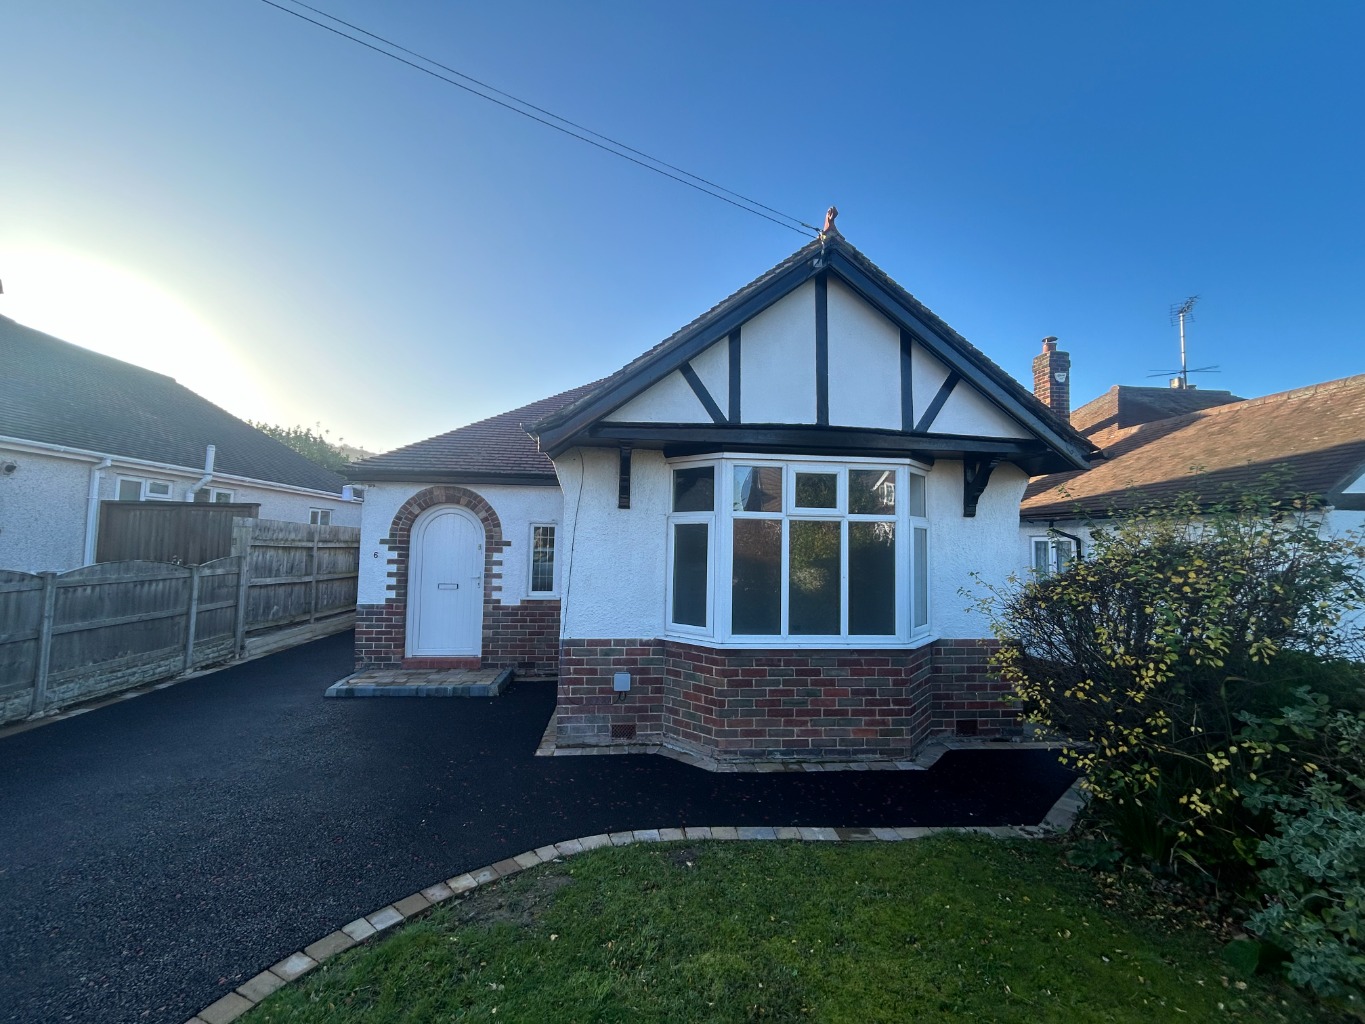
(157, 852)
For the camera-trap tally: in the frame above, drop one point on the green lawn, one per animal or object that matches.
(949, 928)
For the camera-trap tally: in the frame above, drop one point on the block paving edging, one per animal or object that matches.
(231, 1006)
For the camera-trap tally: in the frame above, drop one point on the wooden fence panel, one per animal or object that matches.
(186, 533)
(298, 572)
(109, 626)
(21, 612)
(115, 625)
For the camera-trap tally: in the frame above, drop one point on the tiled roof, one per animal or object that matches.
(1123, 406)
(53, 392)
(807, 252)
(498, 447)
(1314, 435)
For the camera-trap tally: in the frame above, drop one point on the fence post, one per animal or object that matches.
(313, 566)
(44, 642)
(192, 619)
(243, 585)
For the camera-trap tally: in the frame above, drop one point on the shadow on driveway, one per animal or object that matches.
(158, 852)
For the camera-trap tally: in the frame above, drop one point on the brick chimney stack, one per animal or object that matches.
(1052, 378)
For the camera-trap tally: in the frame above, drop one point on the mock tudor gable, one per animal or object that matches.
(824, 353)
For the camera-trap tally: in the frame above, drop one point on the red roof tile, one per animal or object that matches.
(1313, 436)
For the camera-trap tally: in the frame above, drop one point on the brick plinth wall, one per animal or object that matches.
(524, 636)
(967, 699)
(744, 704)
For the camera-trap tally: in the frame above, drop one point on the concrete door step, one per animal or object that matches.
(460, 682)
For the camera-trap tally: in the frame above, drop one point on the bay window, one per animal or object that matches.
(804, 552)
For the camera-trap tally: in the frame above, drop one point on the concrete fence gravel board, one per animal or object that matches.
(103, 628)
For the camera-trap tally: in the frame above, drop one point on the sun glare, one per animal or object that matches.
(114, 311)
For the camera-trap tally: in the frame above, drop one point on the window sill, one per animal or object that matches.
(802, 645)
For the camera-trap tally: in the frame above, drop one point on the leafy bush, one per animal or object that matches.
(1147, 653)
(1314, 878)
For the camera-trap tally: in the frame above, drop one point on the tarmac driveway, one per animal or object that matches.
(158, 852)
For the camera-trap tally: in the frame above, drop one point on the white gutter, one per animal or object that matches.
(87, 455)
(92, 510)
(209, 453)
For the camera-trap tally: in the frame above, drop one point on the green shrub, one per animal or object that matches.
(1148, 652)
(1314, 875)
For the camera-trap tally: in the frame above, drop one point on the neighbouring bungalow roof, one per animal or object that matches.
(834, 252)
(56, 393)
(1314, 436)
(1103, 419)
(494, 450)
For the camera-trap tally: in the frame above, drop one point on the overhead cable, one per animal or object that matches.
(574, 130)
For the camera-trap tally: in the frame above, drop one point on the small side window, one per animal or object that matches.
(1052, 554)
(320, 516)
(542, 559)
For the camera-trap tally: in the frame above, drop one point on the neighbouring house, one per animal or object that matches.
(748, 542)
(1163, 443)
(78, 428)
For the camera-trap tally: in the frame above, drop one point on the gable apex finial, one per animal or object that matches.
(829, 228)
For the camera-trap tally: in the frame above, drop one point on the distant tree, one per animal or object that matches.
(310, 442)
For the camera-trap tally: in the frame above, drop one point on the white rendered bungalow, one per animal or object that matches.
(752, 537)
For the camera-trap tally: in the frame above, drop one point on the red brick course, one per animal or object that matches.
(813, 704)
(525, 635)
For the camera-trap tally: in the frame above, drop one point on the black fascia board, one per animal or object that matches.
(781, 437)
(931, 338)
(555, 438)
(451, 476)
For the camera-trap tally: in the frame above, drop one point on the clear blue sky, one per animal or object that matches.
(340, 239)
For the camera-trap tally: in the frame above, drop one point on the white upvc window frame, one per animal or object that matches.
(145, 485)
(220, 496)
(316, 515)
(531, 592)
(720, 534)
(1051, 564)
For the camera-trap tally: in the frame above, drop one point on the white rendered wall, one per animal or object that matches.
(672, 400)
(614, 586)
(969, 413)
(517, 509)
(987, 544)
(42, 512)
(864, 363)
(777, 361)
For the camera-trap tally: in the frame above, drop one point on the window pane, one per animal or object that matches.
(758, 489)
(817, 490)
(1040, 556)
(871, 579)
(757, 589)
(694, 490)
(690, 560)
(542, 559)
(872, 492)
(158, 489)
(813, 603)
(916, 495)
(1066, 553)
(920, 596)
(222, 497)
(130, 490)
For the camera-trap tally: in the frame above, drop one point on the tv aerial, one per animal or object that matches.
(1180, 313)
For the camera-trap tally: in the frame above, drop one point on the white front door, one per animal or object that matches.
(445, 584)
